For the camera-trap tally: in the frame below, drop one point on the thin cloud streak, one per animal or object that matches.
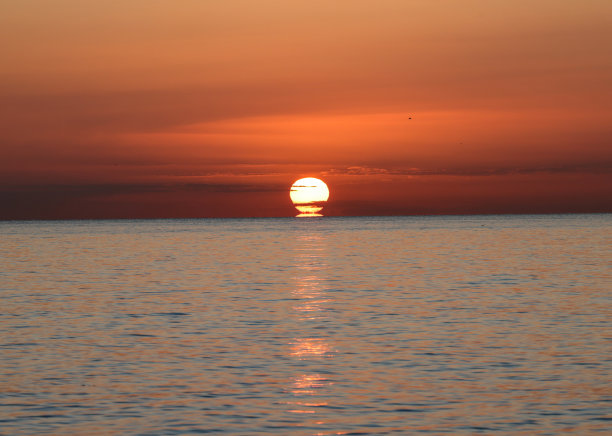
(593, 168)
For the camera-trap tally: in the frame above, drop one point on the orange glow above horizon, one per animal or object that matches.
(145, 109)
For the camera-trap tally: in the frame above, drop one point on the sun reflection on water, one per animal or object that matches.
(308, 384)
(310, 347)
(309, 311)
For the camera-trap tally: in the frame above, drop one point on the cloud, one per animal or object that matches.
(591, 168)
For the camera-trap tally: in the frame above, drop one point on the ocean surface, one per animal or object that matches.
(317, 326)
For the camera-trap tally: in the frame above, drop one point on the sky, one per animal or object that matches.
(213, 108)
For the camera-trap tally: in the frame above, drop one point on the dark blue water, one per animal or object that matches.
(319, 326)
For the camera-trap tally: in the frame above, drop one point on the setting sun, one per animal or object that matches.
(309, 195)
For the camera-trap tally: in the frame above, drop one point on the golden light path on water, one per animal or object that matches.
(310, 389)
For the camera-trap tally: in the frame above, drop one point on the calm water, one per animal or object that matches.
(317, 326)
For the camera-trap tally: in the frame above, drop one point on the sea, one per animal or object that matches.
(307, 326)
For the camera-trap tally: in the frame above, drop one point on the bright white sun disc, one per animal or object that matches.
(309, 195)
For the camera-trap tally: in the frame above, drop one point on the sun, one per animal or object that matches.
(309, 195)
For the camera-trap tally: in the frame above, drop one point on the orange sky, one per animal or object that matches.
(191, 108)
